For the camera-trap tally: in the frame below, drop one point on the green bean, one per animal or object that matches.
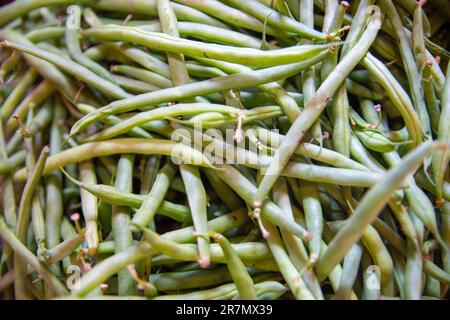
(155, 197)
(349, 272)
(375, 141)
(112, 120)
(38, 223)
(120, 222)
(440, 159)
(141, 57)
(16, 10)
(216, 119)
(413, 272)
(200, 71)
(146, 7)
(225, 193)
(149, 173)
(417, 200)
(335, 24)
(287, 269)
(308, 76)
(425, 67)
(247, 252)
(41, 34)
(114, 196)
(73, 44)
(346, 214)
(313, 216)
(421, 205)
(23, 226)
(314, 108)
(402, 216)
(434, 271)
(221, 224)
(445, 227)
(30, 258)
(89, 206)
(44, 90)
(199, 88)
(119, 146)
(73, 68)
(9, 65)
(380, 255)
(110, 266)
(243, 281)
(411, 68)
(294, 246)
(26, 199)
(287, 103)
(204, 32)
(44, 68)
(218, 34)
(309, 150)
(371, 279)
(248, 56)
(125, 51)
(432, 287)
(253, 254)
(196, 196)
(9, 203)
(340, 107)
(41, 120)
(397, 95)
(245, 189)
(298, 170)
(133, 85)
(53, 182)
(230, 15)
(14, 97)
(276, 20)
(185, 235)
(361, 91)
(169, 281)
(160, 113)
(62, 250)
(369, 207)
(361, 76)
(195, 190)
(224, 292)
(14, 161)
(143, 75)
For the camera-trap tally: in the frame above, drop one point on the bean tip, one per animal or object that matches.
(204, 262)
(345, 5)
(308, 236)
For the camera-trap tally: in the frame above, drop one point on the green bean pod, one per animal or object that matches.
(30, 258)
(121, 224)
(314, 108)
(19, 90)
(155, 197)
(73, 68)
(249, 79)
(440, 159)
(241, 278)
(368, 208)
(375, 141)
(89, 206)
(73, 44)
(119, 146)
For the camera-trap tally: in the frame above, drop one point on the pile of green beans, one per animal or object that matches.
(224, 149)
